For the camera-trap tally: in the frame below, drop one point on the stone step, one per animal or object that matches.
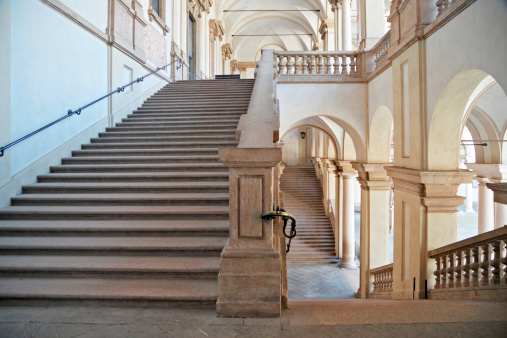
(140, 292)
(177, 134)
(161, 145)
(112, 244)
(140, 159)
(133, 118)
(80, 266)
(135, 177)
(179, 115)
(138, 228)
(167, 212)
(134, 123)
(126, 187)
(140, 167)
(169, 138)
(169, 128)
(145, 152)
(121, 199)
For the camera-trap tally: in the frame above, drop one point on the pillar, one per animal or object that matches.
(489, 219)
(375, 219)
(372, 21)
(469, 202)
(347, 26)
(486, 208)
(337, 23)
(325, 185)
(348, 175)
(425, 204)
(338, 214)
(250, 279)
(500, 215)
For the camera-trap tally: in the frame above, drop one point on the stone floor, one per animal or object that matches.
(347, 318)
(318, 281)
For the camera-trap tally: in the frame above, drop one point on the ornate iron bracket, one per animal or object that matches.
(285, 217)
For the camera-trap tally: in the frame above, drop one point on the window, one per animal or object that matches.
(155, 5)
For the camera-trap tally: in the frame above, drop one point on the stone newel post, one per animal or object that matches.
(250, 271)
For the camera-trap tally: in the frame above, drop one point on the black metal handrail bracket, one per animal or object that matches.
(79, 110)
(285, 217)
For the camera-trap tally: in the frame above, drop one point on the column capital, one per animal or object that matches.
(373, 176)
(345, 169)
(500, 191)
(489, 173)
(437, 189)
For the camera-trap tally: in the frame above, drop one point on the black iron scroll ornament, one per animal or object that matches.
(285, 217)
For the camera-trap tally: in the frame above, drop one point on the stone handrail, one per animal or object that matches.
(382, 279)
(476, 262)
(442, 5)
(380, 50)
(258, 128)
(317, 62)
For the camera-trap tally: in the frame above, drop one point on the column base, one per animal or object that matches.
(348, 265)
(249, 283)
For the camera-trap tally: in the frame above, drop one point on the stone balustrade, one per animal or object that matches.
(380, 50)
(442, 5)
(382, 281)
(317, 62)
(474, 264)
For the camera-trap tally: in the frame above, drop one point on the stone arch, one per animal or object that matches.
(379, 141)
(450, 116)
(332, 138)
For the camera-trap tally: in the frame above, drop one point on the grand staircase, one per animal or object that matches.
(314, 243)
(139, 215)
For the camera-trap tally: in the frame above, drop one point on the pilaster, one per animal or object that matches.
(375, 217)
(426, 204)
(250, 270)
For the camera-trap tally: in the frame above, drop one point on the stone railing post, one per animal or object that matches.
(251, 269)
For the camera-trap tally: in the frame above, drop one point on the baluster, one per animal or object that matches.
(503, 255)
(390, 280)
(321, 64)
(329, 65)
(440, 6)
(437, 272)
(495, 263)
(298, 65)
(305, 64)
(353, 63)
(475, 267)
(450, 270)
(466, 269)
(383, 274)
(458, 269)
(485, 264)
(281, 68)
(443, 283)
(313, 65)
(290, 69)
(336, 64)
(344, 65)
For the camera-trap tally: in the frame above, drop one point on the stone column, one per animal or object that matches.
(375, 218)
(325, 185)
(347, 26)
(371, 16)
(488, 173)
(486, 207)
(338, 214)
(337, 14)
(426, 205)
(469, 202)
(250, 277)
(500, 215)
(348, 175)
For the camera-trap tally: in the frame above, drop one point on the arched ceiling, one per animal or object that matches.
(274, 24)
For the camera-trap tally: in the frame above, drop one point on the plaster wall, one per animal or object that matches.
(344, 104)
(469, 41)
(95, 11)
(380, 92)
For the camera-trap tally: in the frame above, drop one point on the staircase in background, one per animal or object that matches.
(139, 215)
(314, 243)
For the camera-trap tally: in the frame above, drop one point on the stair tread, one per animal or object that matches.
(109, 289)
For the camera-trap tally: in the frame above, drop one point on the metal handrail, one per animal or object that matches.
(78, 111)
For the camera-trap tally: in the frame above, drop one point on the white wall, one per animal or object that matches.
(475, 39)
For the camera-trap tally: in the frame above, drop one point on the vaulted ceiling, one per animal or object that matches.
(300, 17)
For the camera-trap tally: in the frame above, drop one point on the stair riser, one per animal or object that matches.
(120, 169)
(176, 134)
(114, 153)
(99, 146)
(101, 202)
(116, 190)
(105, 274)
(73, 232)
(111, 216)
(133, 160)
(48, 179)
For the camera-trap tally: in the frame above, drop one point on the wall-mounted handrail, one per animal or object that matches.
(79, 110)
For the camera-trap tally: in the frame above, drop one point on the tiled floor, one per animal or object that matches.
(323, 281)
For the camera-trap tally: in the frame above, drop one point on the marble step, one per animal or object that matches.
(139, 292)
(140, 167)
(145, 152)
(135, 177)
(166, 212)
(140, 159)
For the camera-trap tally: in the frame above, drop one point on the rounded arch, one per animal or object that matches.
(379, 141)
(450, 116)
(332, 138)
